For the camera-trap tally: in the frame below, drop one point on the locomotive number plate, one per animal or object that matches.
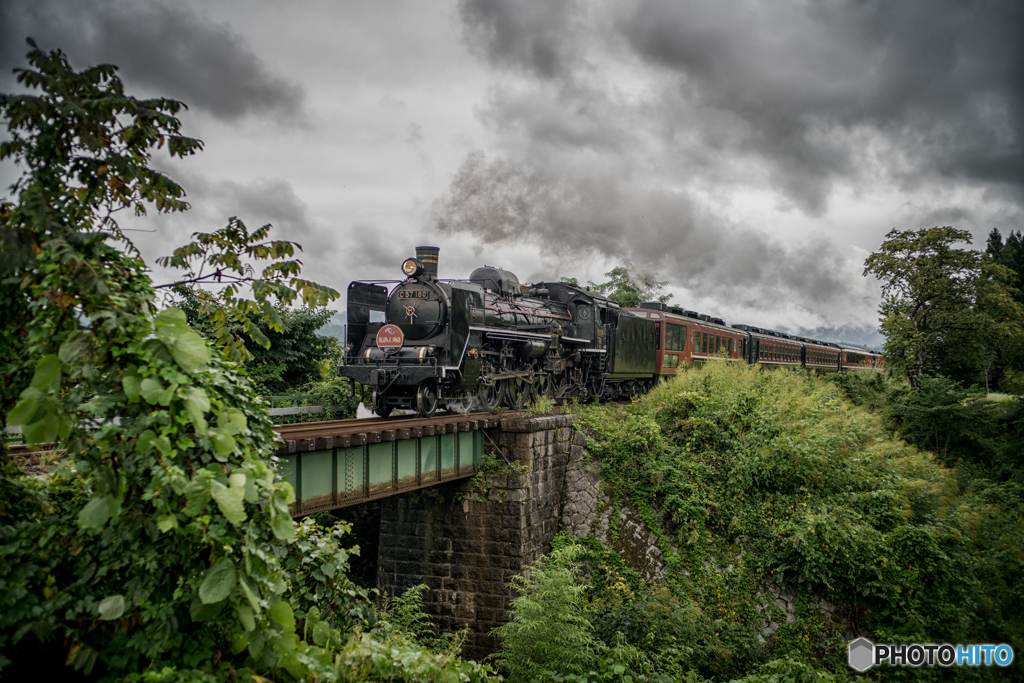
(413, 294)
(390, 339)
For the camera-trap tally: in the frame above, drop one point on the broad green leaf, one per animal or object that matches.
(320, 633)
(112, 607)
(95, 513)
(166, 522)
(163, 444)
(251, 493)
(23, 413)
(329, 569)
(165, 397)
(190, 351)
(237, 418)
(256, 646)
(245, 616)
(151, 388)
(224, 443)
(145, 441)
(201, 612)
(197, 404)
(229, 500)
(239, 644)
(219, 581)
(281, 612)
(289, 492)
(196, 505)
(132, 387)
(168, 335)
(47, 374)
(312, 619)
(72, 351)
(282, 525)
(250, 591)
(43, 431)
(173, 317)
(63, 427)
(237, 479)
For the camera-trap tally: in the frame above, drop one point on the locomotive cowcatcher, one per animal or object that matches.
(424, 343)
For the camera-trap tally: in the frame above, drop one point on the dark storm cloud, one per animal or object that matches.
(525, 34)
(166, 47)
(942, 83)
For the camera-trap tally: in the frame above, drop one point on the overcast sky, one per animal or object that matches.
(750, 153)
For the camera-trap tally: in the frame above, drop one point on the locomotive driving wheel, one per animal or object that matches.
(492, 395)
(545, 387)
(519, 392)
(377, 401)
(426, 399)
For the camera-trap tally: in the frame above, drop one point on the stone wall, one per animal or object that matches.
(466, 540)
(587, 510)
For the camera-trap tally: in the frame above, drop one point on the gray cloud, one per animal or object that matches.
(941, 83)
(629, 133)
(256, 203)
(164, 46)
(527, 35)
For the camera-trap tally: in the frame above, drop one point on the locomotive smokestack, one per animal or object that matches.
(428, 257)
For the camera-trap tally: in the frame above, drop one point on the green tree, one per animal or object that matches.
(629, 286)
(934, 294)
(160, 542)
(296, 355)
(219, 266)
(1008, 359)
(1011, 255)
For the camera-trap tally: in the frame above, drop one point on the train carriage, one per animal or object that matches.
(857, 358)
(686, 337)
(821, 356)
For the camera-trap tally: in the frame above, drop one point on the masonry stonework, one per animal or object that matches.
(466, 540)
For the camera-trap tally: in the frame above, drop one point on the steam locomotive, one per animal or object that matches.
(425, 344)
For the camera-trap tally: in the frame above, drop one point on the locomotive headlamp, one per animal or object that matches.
(412, 267)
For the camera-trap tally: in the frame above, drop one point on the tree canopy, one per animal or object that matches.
(627, 286)
(940, 303)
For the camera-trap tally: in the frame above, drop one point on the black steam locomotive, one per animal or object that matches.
(424, 343)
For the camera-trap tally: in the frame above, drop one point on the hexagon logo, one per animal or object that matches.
(861, 654)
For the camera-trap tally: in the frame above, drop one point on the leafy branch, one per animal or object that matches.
(224, 259)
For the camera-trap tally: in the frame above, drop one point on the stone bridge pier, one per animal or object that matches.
(466, 540)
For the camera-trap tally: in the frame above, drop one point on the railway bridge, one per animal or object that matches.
(340, 463)
(463, 537)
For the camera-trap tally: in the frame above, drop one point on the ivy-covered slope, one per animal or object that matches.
(754, 479)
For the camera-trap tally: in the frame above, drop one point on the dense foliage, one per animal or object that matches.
(754, 480)
(289, 354)
(162, 548)
(944, 310)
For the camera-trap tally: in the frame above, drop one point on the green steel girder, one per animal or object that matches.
(338, 477)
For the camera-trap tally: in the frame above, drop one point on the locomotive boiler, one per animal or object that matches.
(424, 343)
